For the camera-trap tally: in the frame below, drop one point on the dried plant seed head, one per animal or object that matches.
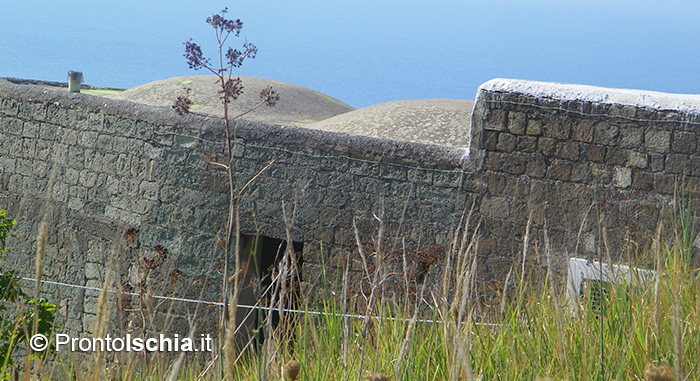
(161, 252)
(125, 300)
(291, 370)
(219, 22)
(209, 156)
(131, 236)
(250, 50)
(182, 105)
(149, 264)
(175, 275)
(127, 288)
(269, 96)
(194, 55)
(231, 90)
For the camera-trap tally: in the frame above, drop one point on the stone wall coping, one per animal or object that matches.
(379, 149)
(684, 103)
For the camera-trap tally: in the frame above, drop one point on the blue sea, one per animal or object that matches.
(365, 52)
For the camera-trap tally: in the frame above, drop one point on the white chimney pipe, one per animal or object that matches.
(75, 78)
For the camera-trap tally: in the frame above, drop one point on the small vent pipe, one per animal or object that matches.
(75, 78)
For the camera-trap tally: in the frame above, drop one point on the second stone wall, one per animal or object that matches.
(575, 159)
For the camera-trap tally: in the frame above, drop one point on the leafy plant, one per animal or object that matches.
(6, 225)
(17, 327)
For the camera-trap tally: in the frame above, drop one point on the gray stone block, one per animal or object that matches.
(527, 144)
(534, 127)
(559, 169)
(616, 156)
(677, 164)
(506, 142)
(12, 126)
(622, 177)
(657, 162)
(547, 146)
(31, 129)
(496, 120)
(10, 107)
(490, 140)
(684, 142)
(631, 137)
(391, 171)
(568, 150)
(605, 133)
(594, 153)
(517, 122)
(559, 131)
(637, 160)
(657, 141)
(514, 163)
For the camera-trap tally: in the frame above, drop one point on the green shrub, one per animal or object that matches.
(16, 323)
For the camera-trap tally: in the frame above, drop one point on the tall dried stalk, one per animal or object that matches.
(561, 327)
(39, 269)
(101, 323)
(231, 88)
(461, 281)
(377, 283)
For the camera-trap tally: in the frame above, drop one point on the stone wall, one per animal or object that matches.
(569, 157)
(571, 160)
(122, 166)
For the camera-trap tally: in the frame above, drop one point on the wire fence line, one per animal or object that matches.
(249, 307)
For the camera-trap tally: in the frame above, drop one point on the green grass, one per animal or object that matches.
(527, 332)
(101, 91)
(534, 337)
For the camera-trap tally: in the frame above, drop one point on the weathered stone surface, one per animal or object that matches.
(506, 142)
(677, 164)
(124, 166)
(684, 142)
(594, 152)
(631, 137)
(559, 170)
(657, 141)
(547, 146)
(517, 123)
(622, 177)
(583, 131)
(605, 134)
(526, 144)
(637, 160)
(534, 127)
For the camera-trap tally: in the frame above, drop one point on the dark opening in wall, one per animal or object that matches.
(272, 278)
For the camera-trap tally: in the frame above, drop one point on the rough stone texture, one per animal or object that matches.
(120, 165)
(630, 157)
